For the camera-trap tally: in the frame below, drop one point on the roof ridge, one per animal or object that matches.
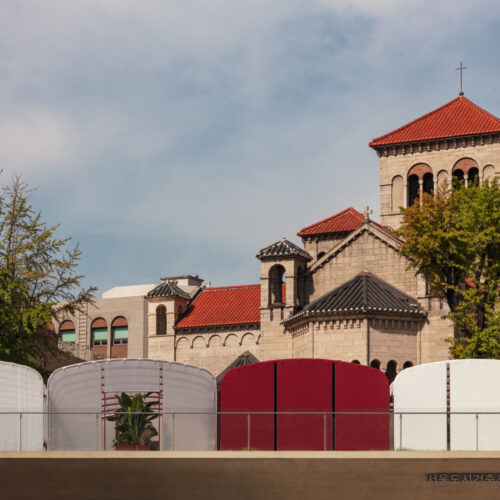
(230, 287)
(403, 127)
(331, 217)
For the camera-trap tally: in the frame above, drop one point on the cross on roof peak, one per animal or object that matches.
(366, 212)
(461, 69)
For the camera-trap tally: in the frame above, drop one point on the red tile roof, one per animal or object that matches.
(346, 221)
(459, 117)
(225, 305)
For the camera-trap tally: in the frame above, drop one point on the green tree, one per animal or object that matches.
(38, 279)
(453, 240)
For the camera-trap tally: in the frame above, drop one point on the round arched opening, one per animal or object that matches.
(67, 331)
(458, 178)
(391, 371)
(473, 177)
(161, 320)
(413, 189)
(276, 280)
(119, 331)
(99, 332)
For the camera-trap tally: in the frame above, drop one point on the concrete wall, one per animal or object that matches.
(245, 475)
(133, 309)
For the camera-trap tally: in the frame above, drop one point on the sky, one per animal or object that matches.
(174, 137)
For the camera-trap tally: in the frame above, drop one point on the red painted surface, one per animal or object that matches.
(360, 388)
(305, 385)
(456, 118)
(244, 389)
(346, 221)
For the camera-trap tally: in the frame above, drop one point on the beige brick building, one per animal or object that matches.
(347, 294)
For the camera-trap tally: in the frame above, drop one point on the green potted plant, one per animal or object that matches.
(133, 419)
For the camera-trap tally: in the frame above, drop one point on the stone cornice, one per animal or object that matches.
(436, 145)
(216, 328)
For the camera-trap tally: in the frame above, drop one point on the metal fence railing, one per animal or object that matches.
(243, 430)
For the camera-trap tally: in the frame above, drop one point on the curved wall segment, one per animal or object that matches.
(82, 396)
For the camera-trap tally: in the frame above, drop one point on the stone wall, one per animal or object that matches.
(216, 349)
(485, 152)
(367, 253)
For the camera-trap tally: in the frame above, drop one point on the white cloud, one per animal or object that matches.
(33, 140)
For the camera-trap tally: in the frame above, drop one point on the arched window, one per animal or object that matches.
(375, 364)
(67, 331)
(161, 320)
(119, 331)
(276, 274)
(397, 193)
(458, 178)
(413, 189)
(442, 178)
(301, 287)
(391, 370)
(473, 177)
(428, 185)
(407, 364)
(99, 332)
(488, 173)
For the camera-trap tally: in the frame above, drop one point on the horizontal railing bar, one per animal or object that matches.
(182, 412)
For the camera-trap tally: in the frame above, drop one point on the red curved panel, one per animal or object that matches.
(361, 389)
(315, 386)
(247, 389)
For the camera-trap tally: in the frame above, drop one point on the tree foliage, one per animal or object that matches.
(134, 419)
(453, 240)
(37, 273)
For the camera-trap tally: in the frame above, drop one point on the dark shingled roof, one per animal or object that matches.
(247, 358)
(168, 289)
(283, 248)
(365, 293)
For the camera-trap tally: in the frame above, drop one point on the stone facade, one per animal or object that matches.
(383, 338)
(396, 163)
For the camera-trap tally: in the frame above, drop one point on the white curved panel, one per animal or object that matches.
(188, 421)
(21, 408)
(418, 390)
(475, 388)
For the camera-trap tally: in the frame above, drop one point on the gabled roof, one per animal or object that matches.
(226, 305)
(168, 289)
(459, 117)
(371, 228)
(283, 248)
(247, 358)
(343, 222)
(365, 293)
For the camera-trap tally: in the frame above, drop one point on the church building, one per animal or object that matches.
(346, 294)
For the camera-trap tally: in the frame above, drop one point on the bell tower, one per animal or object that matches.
(458, 140)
